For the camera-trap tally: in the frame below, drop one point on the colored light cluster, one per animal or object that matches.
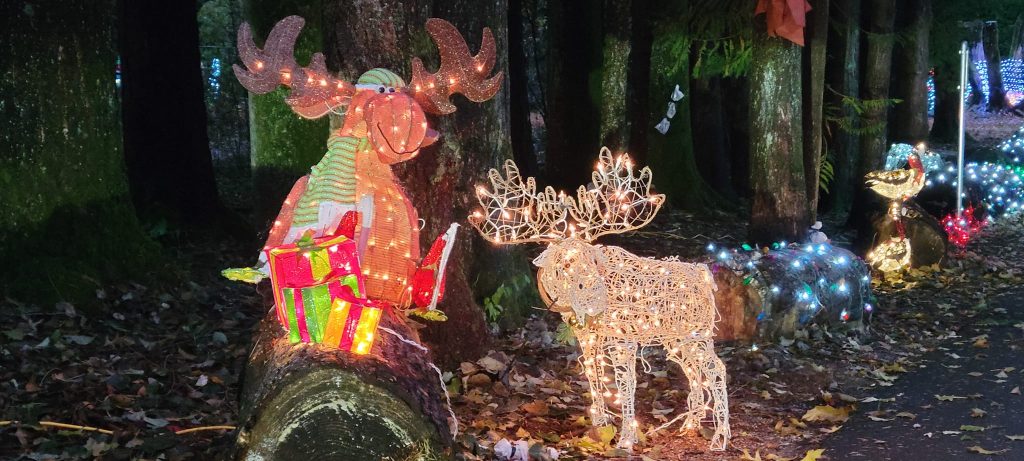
(960, 230)
(1001, 185)
(930, 83)
(214, 79)
(1013, 81)
(814, 277)
(1013, 148)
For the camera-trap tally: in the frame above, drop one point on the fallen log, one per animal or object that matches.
(308, 402)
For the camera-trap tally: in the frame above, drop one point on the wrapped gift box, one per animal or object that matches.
(318, 293)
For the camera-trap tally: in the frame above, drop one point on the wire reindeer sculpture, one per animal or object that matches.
(616, 303)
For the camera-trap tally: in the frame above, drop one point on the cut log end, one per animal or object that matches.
(307, 401)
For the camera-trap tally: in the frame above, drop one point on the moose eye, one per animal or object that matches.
(391, 90)
(380, 89)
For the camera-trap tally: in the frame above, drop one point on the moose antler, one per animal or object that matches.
(513, 211)
(459, 72)
(617, 202)
(314, 92)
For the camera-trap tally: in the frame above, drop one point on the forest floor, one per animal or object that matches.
(153, 361)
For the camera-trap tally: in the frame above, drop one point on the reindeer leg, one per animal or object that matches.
(593, 368)
(715, 384)
(685, 356)
(624, 362)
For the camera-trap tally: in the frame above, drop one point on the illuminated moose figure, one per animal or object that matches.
(384, 124)
(615, 302)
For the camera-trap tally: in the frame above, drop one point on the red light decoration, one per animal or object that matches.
(961, 230)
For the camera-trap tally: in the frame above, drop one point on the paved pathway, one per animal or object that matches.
(923, 438)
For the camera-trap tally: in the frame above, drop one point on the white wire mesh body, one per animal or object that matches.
(645, 302)
(616, 302)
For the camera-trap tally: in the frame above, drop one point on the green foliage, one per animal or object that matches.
(720, 31)
(826, 172)
(507, 291)
(849, 115)
(565, 335)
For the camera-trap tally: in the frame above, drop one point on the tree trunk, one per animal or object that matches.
(671, 155)
(846, 144)
(813, 99)
(310, 402)
(779, 197)
(910, 118)
(616, 29)
(65, 205)
(572, 118)
(877, 73)
(638, 96)
(709, 130)
(996, 93)
(284, 146)
(519, 98)
(164, 117)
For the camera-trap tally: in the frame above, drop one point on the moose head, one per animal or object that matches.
(380, 105)
(569, 277)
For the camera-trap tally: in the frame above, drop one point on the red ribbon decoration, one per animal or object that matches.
(785, 18)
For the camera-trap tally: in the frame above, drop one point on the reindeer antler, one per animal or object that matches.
(314, 92)
(459, 72)
(618, 201)
(513, 211)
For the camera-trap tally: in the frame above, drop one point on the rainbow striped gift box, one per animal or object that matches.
(318, 294)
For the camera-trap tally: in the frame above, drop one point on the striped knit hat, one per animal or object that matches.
(381, 77)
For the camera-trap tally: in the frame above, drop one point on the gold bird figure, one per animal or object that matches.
(898, 185)
(890, 255)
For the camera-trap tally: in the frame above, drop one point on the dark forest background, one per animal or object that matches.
(127, 139)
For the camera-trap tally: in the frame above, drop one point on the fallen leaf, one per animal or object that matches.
(949, 398)
(827, 414)
(970, 428)
(536, 408)
(1015, 438)
(813, 455)
(906, 414)
(977, 412)
(982, 451)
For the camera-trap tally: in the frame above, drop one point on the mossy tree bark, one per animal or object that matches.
(813, 99)
(910, 118)
(166, 145)
(616, 47)
(67, 224)
(309, 402)
(284, 145)
(845, 144)
(778, 188)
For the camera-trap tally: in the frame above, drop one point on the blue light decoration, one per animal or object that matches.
(898, 153)
(1001, 186)
(1013, 81)
(214, 79)
(117, 73)
(931, 92)
(1013, 148)
(803, 282)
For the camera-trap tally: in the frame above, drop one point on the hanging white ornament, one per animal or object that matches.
(677, 94)
(671, 112)
(662, 126)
